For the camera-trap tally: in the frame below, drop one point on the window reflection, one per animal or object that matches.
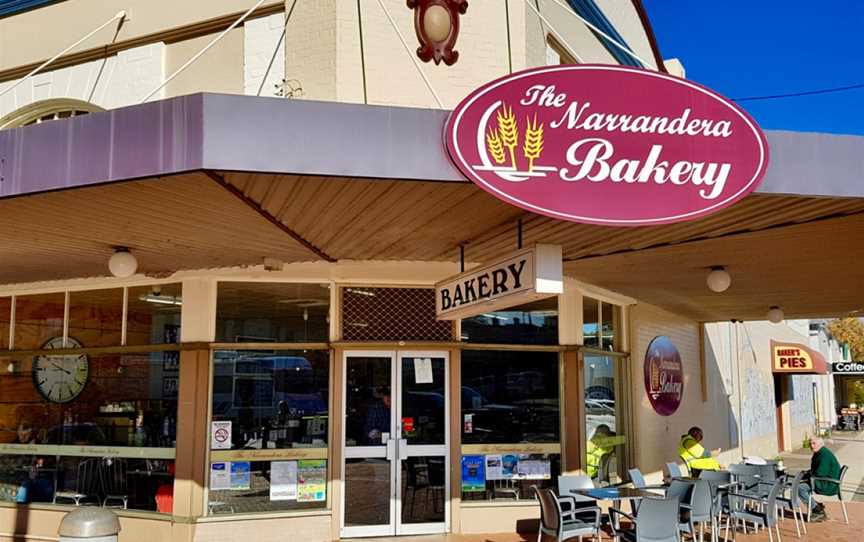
(5, 318)
(604, 446)
(38, 319)
(532, 323)
(96, 316)
(274, 400)
(154, 314)
(591, 322)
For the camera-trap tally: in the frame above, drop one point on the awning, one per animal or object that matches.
(796, 359)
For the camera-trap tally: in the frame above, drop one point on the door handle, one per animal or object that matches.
(391, 449)
(403, 448)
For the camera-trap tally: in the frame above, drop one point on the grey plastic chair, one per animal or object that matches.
(552, 519)
(698, 510)
(793, 502)
(674, 470)
(748, 478)
(721, 484)
(657, 521)
(765, 516)
(571, 504)
(638, 481)
(839, 483)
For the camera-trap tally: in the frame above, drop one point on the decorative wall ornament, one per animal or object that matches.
(437, 25)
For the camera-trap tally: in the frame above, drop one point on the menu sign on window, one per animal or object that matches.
(525, 276)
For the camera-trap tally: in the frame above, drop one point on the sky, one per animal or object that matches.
(766, 47)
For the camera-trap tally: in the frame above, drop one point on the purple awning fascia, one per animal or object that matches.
(276, 135)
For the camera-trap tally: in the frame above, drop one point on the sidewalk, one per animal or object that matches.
(849, 449)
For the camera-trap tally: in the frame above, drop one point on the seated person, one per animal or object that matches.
(823, 464)
(600, 445)
(694, 455)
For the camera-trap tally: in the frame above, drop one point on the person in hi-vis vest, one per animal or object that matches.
(600, 445)
(694, 455)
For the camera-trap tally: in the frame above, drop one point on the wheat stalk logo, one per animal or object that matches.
(509, 131)
(496, 148)
(533, 146)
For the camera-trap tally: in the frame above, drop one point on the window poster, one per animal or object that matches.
(241, 475)
(423, 371)
(220, 435)
(509, 464)
(473, 474)
(311, 480)
(534, 469)
(493, 467)
(220, 476)
(283, 481)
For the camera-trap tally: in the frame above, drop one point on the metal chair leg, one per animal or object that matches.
(770, 536)
(776, 528)
(843, 506)
(795, 519)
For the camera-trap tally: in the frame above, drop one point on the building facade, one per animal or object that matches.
(273, 362)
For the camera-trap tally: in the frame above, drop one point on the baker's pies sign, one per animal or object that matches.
(607, 145)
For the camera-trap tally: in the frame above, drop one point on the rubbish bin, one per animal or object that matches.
(89, 524)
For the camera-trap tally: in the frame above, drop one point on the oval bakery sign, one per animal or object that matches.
(607, 145)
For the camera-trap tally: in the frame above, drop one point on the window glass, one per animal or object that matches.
(5, 314)
(38, 320)
(154, 314)
(608, 330)
(591, 322)
(95, 317)
(532, 323)
(266, 312)
(98, 426)
(509, 397)
(267, 402)
(605, 434)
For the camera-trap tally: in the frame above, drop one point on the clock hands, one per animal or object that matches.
(61, 368)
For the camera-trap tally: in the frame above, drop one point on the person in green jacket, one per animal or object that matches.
(823, 464)
(696, 457)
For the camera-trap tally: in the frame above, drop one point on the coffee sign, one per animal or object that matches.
(848, 368)
(607, 145)
(525, 276)
(664, 376)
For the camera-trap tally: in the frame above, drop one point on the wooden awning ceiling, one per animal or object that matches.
(796, 252)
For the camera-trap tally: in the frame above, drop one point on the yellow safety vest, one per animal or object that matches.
(693, 455)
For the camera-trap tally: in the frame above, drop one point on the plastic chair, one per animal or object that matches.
(86, 484)
(674, 470)
(839, 483)
(698, 510)
(748, 478)
(720, 483)
(638, 481)
(573, 504)
(793, 502)
(505, 488)
(765, 517)
(112, 474)
(657, 521)
(552, 519)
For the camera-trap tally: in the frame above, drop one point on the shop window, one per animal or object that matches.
(590, 322)
(610, 315)
(392, 314)
(98, 426)
(153, 314)
(606, 434)
(600, 324)
(39, 321)
(532, 323)
(269, 431)
(510, 423)
(5, 319)
(250, 312)
(96, 317)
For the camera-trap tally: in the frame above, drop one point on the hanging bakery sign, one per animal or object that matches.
(607, 145)
(664, 376)
(524, 276)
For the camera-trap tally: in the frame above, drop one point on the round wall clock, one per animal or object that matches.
(61, 378)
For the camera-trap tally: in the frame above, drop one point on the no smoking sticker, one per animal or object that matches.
(220, 436)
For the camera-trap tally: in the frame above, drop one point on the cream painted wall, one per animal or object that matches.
(116, 81)
(263, 46)
(220, 69)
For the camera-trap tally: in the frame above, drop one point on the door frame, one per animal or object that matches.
(395, 446)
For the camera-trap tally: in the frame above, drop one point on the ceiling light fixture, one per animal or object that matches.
(718, 279)
(122, 264)
(775, 315)
(162, 299)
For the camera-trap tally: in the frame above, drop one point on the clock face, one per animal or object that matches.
(61, 378)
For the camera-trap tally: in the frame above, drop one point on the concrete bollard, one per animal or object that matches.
(89, 524)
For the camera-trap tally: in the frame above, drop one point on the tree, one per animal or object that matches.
(851, 332)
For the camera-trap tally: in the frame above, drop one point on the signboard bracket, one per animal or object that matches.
(519, 234)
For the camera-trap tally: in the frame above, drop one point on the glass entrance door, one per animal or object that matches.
(395, 443)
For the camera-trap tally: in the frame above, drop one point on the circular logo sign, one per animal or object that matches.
(607, 145)
(664, 376)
